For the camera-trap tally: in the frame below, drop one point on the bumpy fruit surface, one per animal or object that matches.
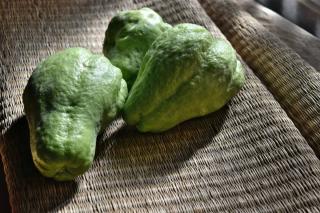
(69, 98)
(128, 37)
(186, 73)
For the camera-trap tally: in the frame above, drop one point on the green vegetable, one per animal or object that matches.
(129, 36)
(69, 98)
(186, 73)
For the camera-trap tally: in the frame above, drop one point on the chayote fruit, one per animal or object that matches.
(70, 97)
(186, 73)
(128, 37)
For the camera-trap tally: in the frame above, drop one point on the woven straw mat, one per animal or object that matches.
(293, 82)
(252, 155)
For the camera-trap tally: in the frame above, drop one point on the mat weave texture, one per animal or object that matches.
(294, 83)
(249, 156)
(303, 42)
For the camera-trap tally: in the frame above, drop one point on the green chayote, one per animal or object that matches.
(128, 37)
(186, 73)
(69, 98)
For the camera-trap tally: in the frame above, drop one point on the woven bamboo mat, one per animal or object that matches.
(248, 156)
(304, 43)
(294, 83)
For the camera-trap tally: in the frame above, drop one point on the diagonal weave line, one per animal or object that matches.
(294, 83)
(301, 41)
(247, 157)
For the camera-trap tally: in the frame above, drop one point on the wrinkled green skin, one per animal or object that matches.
(70, 97)
(129, 36)
(186, 73)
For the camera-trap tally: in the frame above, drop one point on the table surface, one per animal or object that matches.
(295, 37)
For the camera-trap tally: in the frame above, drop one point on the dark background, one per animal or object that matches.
(4, 202)
(304, 13)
